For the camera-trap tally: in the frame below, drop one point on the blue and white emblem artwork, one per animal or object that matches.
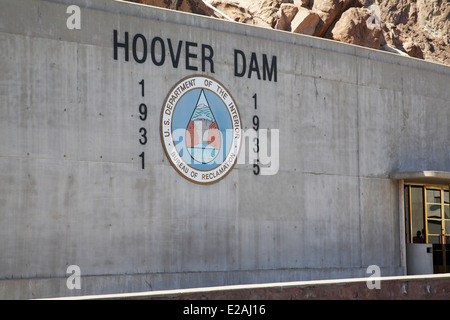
(201, 129)
(202, 134)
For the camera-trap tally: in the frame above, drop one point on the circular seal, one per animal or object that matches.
(201, 129)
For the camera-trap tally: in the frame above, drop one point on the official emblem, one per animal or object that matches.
(201, 129)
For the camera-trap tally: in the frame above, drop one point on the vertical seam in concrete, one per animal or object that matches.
(358, 69)
(401, 219)
(401, 196)
(237, 229)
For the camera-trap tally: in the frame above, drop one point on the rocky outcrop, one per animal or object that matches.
(418, 28)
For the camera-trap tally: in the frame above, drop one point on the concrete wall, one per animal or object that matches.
(72, 191)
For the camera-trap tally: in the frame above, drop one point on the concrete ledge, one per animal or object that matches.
(390, 288)
(423, 176)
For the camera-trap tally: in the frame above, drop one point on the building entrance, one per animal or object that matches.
(427, 216)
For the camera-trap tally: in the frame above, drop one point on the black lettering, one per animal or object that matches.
(143, 132)
(207, 57)
(256, 168)
(144, 49)
(254, 66)
(236, 72)
(273, 68)
(190, 55)
(117, 45)
(142, 87)
(175, 57)
(163, 51)
(143, 111)
(255, 123)
(140, 51)
(142, 155)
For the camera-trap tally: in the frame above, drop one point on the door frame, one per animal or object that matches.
(444, 235)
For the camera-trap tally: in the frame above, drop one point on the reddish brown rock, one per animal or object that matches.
(328, 11)
(353, 28)
(424, 24)
(420, 28)
(193, 6)
(267, 15)
(285, 15)
(305, 22)
(412, 49)
(233, 10)
(301, 3)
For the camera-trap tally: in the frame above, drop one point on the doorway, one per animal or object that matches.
(427, 215)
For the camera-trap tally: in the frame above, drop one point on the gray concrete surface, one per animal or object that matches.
(72, 191)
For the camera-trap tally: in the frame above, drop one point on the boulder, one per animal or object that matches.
(329, 11)
(157, 3)
(233, 10)
(243, 14)
(267, 15)
(301, 3)
(285, 15)
(305, 22)
(192, 6)
(412, 49)
(352, 27)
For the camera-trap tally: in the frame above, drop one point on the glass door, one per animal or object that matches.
(427, 215)
(438, 227)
